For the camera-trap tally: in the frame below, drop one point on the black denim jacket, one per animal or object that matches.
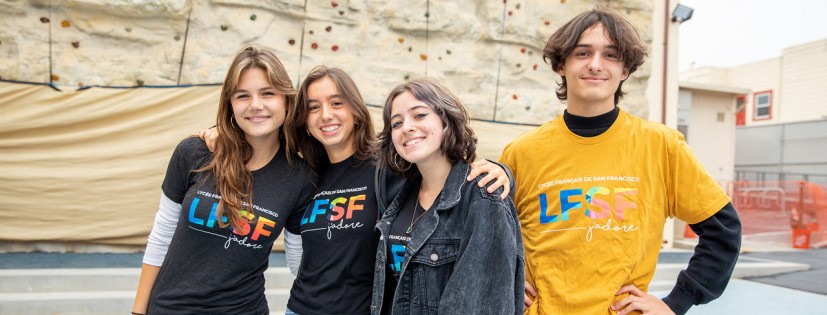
(464, 257)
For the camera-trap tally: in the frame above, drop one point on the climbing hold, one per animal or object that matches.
(177, 38)
(55, 77)
(440, 57)
(328, 28)
(334, 4)
(410, 48)
(448, 51)
(291, 42)
(44, 19)
(407, 76)
(514, 96)
(535, 67)
(335, 48)
(76, 44)
(253, 17)
(65, 23)
(401, 40)
(527, 108)
(547, 22)
(341, 12)
(517, 6)
(510, 13)
(224, 27)
(522, 50)
(310, 32)
(519, 65)
(427, 14)
(127, 29)
(423, 57)
(139, 82)
(314, 45)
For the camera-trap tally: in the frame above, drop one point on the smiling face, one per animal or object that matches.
(329, 118)
(258, 109)
(593, 71)
(416, 130)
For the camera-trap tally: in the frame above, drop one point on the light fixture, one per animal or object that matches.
(682, 13)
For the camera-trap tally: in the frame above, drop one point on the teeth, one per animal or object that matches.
(414, 141)
(330, 128)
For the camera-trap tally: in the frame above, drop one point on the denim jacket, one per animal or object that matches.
(464, 257)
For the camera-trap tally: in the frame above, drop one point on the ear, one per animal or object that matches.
(561, 70)
(625, 74)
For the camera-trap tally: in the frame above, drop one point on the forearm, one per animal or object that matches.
(147, 280)
(293, 251)
(710, 268)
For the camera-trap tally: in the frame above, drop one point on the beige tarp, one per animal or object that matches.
(86, 166)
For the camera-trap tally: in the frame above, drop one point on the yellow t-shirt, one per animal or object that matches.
(592, 209)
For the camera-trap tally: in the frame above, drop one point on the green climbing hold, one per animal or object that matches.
(253, 17)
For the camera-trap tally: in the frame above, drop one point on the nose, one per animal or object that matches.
(256, 103)
(595, 63)
(326, 112)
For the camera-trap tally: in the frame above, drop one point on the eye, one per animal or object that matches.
(612, 56)
(581, 53)
(268, 93)
(338, 104)
(420, 115)
(240, 96)
(396, 124)
(313, 108)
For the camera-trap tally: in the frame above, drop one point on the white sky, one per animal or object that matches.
(727, 33)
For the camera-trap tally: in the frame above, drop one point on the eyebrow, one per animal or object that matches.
(612, 46)
(410, 110)
(329, 97)
(245, 91)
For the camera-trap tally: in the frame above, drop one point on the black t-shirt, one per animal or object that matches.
(400, 232)
(213, 270)
(339, 243)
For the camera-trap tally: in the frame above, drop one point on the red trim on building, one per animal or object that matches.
(755, 108)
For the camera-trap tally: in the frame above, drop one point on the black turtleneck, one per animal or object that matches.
(719, 236)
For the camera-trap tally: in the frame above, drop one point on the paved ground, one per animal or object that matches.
(813, 280)
(67, 260)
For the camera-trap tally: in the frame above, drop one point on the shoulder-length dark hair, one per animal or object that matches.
(311, 149)
(620, 31)
(232, 152)
(458, 140)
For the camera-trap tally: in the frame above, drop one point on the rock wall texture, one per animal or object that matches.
(487, 51)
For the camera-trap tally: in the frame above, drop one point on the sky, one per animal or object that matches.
(727, 33)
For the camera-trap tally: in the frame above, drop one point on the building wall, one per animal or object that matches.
(795, 79)
(804, 85)
(711, 133)
(488, 52)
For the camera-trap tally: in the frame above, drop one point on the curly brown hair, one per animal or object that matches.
(458, 139)
(620, 31)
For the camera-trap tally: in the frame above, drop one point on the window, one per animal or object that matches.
(762, 105)
(740, 110)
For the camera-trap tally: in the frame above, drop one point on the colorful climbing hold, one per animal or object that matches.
(334, 4)
(534, 67)
(335, 48)
(522, 50)
(423, 57)
(517, 6)
(224, 27)
(448, 51)
(401, 40)
(177, 38)
(310, 32)
(314, 45)
(253, 17)
(410, 49)
(65, 23)
(519, 65)
(514, 96)
(510, 13)
(547, 22)
(407, 76)
(341, 12)
(427, 14)
(139, 82)
(291, 42)
(328, 28)
(55, 77)
(76, 44)
(44, 19)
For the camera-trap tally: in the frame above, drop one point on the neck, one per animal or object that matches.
(434, 174)
(263, 151)
(586, 109)
(340, 153)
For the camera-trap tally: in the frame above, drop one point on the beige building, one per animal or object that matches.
(783, 89)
